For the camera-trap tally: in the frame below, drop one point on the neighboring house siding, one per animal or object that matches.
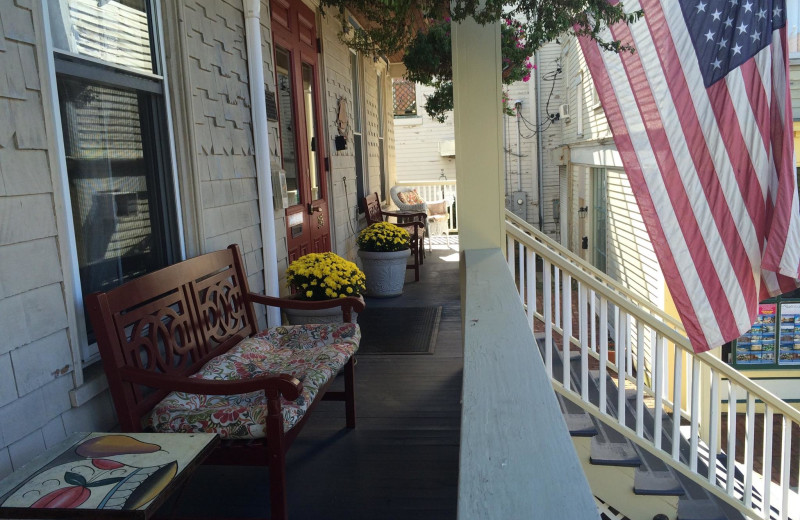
(417, 141)
(631, 258)
(794, 86)
(630, 255)
(36, 359)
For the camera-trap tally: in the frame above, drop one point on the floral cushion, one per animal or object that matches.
(410, 197)
(311, 353)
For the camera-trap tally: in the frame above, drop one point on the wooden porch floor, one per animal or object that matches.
(401, 462)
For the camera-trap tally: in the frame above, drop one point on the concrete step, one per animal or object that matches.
(648, 482)
(702, 509)
(580, 424)
(613, 453)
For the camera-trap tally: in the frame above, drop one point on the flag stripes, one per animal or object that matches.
(711, 166)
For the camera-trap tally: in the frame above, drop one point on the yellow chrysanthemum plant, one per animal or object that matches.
(325, 276)
(383, 237)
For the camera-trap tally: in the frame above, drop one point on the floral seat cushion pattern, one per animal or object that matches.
(311, 353)
(410, 197)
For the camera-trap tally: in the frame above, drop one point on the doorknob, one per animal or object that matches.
(313, 209)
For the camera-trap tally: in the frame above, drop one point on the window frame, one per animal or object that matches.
(58, 62)
(357, 92)
(404, 116)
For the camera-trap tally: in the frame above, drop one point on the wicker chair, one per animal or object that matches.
(437, 211)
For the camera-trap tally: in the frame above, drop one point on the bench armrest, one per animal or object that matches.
(273, 384)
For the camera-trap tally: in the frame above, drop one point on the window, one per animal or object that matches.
(358, 148)
(405, 97)
(113, 114)
(381, 143)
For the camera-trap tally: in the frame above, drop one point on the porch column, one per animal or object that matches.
(479, 134)
(258, 116)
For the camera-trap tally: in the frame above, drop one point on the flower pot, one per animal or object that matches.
(385, 272)
(332, 315)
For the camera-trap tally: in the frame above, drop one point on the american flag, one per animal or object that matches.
(701, 117)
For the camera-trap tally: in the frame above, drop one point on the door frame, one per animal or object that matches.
(303, 48)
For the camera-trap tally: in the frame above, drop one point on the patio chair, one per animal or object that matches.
(406, 198)
(413, 222)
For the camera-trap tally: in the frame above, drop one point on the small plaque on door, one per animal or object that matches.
(296, 230)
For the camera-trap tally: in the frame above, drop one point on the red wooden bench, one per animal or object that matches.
(182, 352)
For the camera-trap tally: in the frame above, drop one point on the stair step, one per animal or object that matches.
(580, 424)
(656, 483)
(704, 509)
(613, 453)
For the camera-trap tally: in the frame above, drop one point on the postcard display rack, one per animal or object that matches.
(774, 340)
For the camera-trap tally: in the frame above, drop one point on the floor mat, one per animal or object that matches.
(399, 330)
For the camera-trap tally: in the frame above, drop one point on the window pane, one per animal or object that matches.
(286, 110)
(356, 92)
(117, 199)
(380, 105)
(313, 161)
(405, 97)
(115, 31)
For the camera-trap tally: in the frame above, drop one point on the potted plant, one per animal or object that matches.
(321, 277)
(384, 249)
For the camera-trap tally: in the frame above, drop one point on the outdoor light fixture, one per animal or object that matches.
(582, 211)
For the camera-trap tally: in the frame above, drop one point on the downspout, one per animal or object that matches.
(539, 158)
(258, 116)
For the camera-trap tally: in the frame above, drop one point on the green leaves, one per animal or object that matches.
(421, 29)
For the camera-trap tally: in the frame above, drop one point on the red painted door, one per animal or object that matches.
(302, 145)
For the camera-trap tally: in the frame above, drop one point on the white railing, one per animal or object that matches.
(655, 361)
(502, 473)
(437, 190)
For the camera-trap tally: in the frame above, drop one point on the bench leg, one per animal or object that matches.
(350, 392)
(276, 453)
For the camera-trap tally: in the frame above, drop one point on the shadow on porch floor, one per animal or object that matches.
(401, 462)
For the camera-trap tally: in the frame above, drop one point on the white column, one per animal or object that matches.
(479, 134)
(258, 110)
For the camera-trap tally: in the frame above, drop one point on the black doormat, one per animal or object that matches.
(398, 330)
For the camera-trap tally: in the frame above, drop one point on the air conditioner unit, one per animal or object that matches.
(563, 111)
(447, 148)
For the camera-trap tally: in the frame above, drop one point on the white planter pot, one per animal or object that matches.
(385, 272)
(304, 317)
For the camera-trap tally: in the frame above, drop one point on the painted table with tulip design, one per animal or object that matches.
(104, 475)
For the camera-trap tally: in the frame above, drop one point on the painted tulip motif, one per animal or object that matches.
(79, 492)
(67, 498)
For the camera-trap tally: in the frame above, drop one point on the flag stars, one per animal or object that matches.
(722, 44)
(737, 49)
(716, 15)
(742, 28)
(748, 7)
(776, 13)
(755, 37)
(709, 35)
(717, 64)
(701, 7)
(729, 22)
(762, 14)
